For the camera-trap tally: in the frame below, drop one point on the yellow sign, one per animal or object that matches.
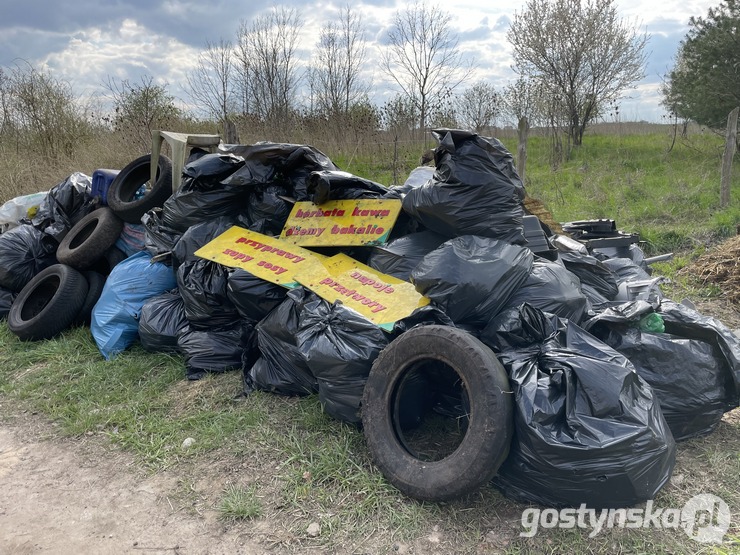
(266, 257)
(341, 223)
(381, 298)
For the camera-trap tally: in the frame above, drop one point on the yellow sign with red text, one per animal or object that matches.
(381, 298)
(268, 258)
(341, 223)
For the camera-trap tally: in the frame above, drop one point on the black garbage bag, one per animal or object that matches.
(202, 285)
(161, 321)
(291, 164)
(552, 288)
(592, 272)
(253, 297)
(6, 301)
(339, 345)
(203, 196)
(400, 256)
(199, 235)
(329, 185)
(64, 205)
(268, 205)
(588, 428)
(24, 252)
(423, 316)
(472, 278)
(475, 189)
(158, 238)
(282, 368)
(626, 269)
(214, 350)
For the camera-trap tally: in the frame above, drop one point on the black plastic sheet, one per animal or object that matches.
(626, 269)
(24, 252)
(161, 321)
(400, 256)
(475, 189)
(269, 205)
(588, 429)
(158, 238)
(592, 272)
(472, 278)
(552, 288)
(282, 368)
(339, 346)
(214, 350)
(252, 296)
(203, 287)
(6, 301)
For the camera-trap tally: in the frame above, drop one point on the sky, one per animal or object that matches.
(86, 42)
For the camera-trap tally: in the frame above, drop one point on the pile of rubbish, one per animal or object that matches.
(551, 361)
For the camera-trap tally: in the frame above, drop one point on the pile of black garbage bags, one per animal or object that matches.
(603, 384)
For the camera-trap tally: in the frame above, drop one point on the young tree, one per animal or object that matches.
(422, 56)
(335, 70)
(581, 52)
(140, 108)
(704, 84)
(210, 85)
(267, 63)
(478, 106)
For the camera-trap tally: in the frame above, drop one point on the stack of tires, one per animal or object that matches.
(63, 295)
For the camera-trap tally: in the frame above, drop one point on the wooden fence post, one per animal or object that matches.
(521, 147)
(730, 146)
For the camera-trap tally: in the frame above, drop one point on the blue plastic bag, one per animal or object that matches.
(115, 317)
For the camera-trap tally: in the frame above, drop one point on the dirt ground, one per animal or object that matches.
(66, 496)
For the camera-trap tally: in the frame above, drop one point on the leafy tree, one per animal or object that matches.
(140, 108)
(704, 84)
(422, 56)
(581, 52)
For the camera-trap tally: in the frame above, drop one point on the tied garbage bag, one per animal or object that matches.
(268, 209)
(626, 270)
(64, 205)
(400, 256)
(198, 236)
(215, 350)
(252, 296)
(472, 278)
(327, 185)
(588, 429)
(115, 317)
(158, 238)
(161, 321)
(202, 285)
(202, 195)
(282, 368)
(552, 288)
(339, 346)
(24, 252)
(475, 189)
(19, 208)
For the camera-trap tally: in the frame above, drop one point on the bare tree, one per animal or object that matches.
(140, 108)
(335, 70)
(267, 65)
(581, 51)
(478, 106)
(422, 56)
(210, 84)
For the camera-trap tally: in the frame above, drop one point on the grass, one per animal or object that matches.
(284, 462)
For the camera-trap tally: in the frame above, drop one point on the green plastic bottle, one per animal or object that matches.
(652, 322)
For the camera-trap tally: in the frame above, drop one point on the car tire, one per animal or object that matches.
(420, 355)
(89, 239)
(124, 187)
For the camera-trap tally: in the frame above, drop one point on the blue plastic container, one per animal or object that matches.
(101, 180)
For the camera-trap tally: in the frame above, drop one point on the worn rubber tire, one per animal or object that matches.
(48, 304)
(90, 238)
(95, 284)
(129, 180)
(486, 440)
(109, 260)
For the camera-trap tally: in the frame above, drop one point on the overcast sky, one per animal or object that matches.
(86, 41)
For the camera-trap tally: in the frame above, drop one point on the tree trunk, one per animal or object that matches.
(730, 146)
(521, 147)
